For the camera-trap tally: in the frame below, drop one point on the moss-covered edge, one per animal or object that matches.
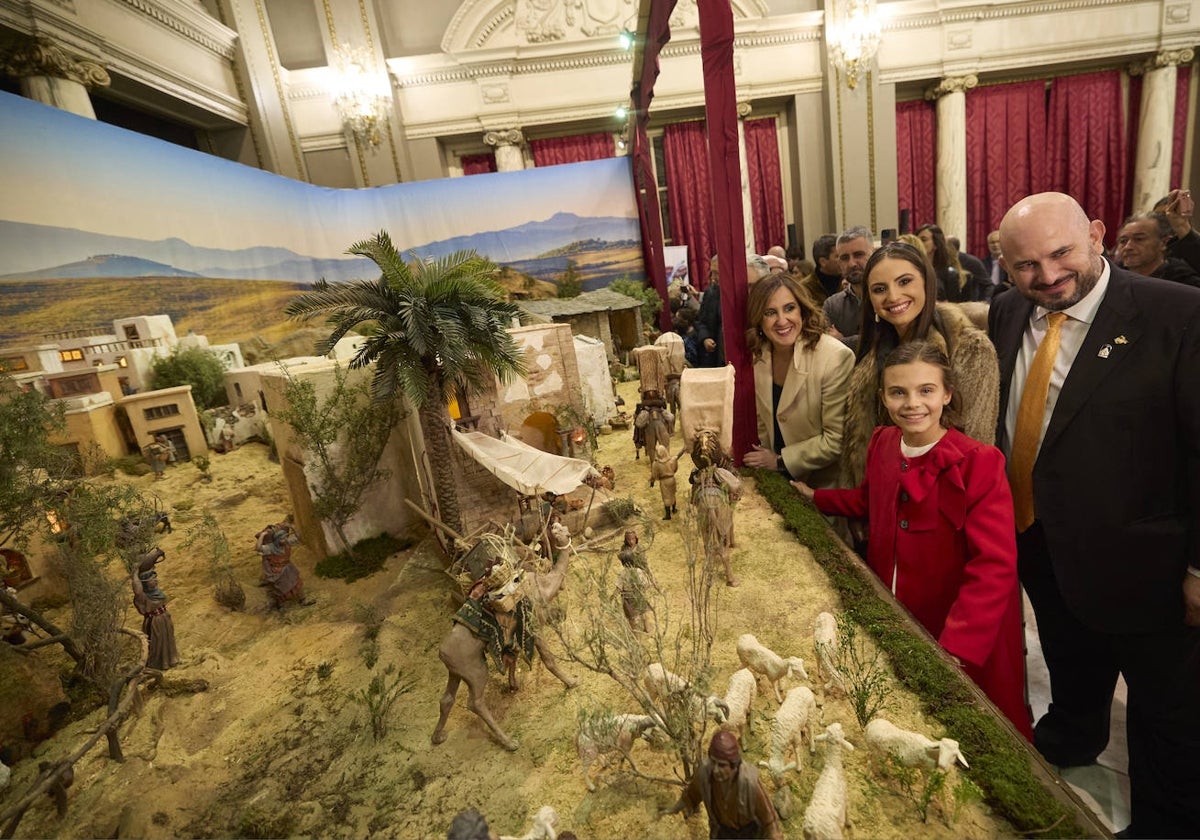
(999, 767)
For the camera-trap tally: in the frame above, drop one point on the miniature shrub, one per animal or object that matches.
(369, 557)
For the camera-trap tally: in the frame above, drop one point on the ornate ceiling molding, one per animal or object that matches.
(191, 22)
(478, 24)
(975, 14)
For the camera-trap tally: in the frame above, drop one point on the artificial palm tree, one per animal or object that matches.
(433, 327)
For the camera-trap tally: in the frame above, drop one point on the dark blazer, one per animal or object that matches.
(1117, 480)
(987, 262)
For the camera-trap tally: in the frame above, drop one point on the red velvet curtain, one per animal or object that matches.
(576, 149)
(766, 190)
(1086, 145)
(1006, 139)
(916, 161)
(1132, 120)
(654, 31)
(478, 164)
(1182, 86)
(685, 153)
(720, 106)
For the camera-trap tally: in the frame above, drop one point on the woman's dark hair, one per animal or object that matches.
(880, 336)
(929, 353)
(943, 258)
(812, 319)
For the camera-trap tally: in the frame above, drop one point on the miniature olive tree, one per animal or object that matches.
(343, 434)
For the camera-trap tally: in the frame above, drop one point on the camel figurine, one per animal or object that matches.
(464, 653)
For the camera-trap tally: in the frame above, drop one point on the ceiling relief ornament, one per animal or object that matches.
(540, 21)
(39, 56)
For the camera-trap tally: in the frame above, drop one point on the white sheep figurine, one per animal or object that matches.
(661, 684)
(912, 749)
(794, 719)
(608, 734)
(762, 660)
(825, 642)
(545, 826)
(740, 692)
(827, 815)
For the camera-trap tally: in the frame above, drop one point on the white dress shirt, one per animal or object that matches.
(1073, 331)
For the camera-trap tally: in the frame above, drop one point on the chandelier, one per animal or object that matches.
(361, 94)
(853, 36)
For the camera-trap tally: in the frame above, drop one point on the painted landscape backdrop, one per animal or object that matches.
(98, 223)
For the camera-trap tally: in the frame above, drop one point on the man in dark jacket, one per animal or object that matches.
(1142, 248)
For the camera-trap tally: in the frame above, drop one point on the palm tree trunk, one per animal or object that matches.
(435, 427)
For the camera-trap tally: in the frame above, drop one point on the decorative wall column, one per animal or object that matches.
(52, 76)
(507, 143)
(743, 111)
(1156, 126)
(951, 96)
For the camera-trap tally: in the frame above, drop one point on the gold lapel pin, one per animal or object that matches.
(1120, 340)
(1104, 351)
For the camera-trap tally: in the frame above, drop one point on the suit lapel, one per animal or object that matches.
(1109, 341)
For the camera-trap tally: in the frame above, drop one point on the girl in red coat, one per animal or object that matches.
(941, 532)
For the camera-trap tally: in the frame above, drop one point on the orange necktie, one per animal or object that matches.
(1029, 421)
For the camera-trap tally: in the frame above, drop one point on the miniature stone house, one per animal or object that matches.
(383, 507)
(607, 316)
(170, 412)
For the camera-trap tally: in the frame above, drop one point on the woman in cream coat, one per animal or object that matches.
(800, 379)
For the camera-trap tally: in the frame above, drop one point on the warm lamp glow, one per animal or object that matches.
(853, 37)
(361, 93)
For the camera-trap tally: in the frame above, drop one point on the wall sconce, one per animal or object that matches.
(361, 93)
(853, 35)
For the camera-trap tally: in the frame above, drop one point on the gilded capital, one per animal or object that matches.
(37, 55)
(744, 109)
(952, 84)
(1166, 58)
(504, 137)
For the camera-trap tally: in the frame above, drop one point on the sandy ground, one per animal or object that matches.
(275, 748)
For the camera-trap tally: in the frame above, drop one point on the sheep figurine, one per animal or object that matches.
(825, 642)
(762, 660)
(739, 697)
(609, 734)
(661, 684)
(827, 816)
(794, 719)
(912, 749)
(545, 826)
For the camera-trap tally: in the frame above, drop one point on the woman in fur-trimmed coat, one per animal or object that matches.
(900, 287)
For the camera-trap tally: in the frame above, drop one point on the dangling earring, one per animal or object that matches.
(761, 334)
(876, 317)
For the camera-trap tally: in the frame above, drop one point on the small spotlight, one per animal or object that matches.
(622, 112)
(625, 39)
(621, 144)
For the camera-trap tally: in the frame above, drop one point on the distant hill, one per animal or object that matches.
(29, 251)
(105, 265)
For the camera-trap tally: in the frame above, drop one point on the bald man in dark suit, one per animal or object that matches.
(1109, 549)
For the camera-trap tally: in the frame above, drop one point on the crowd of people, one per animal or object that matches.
(1029, 418)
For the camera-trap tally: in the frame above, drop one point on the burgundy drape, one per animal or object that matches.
(720, 105)
(766, 185)
(478, 164)
(1086, 145)
(1006, 138)
(685, 155)
(576, 149)
(916, 161)
(1133, 116)
(1182, 86)
(652, 38)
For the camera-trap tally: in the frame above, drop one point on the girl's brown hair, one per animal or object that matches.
(812, 319)
(925, 351)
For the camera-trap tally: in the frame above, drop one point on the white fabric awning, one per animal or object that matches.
(522, 467)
